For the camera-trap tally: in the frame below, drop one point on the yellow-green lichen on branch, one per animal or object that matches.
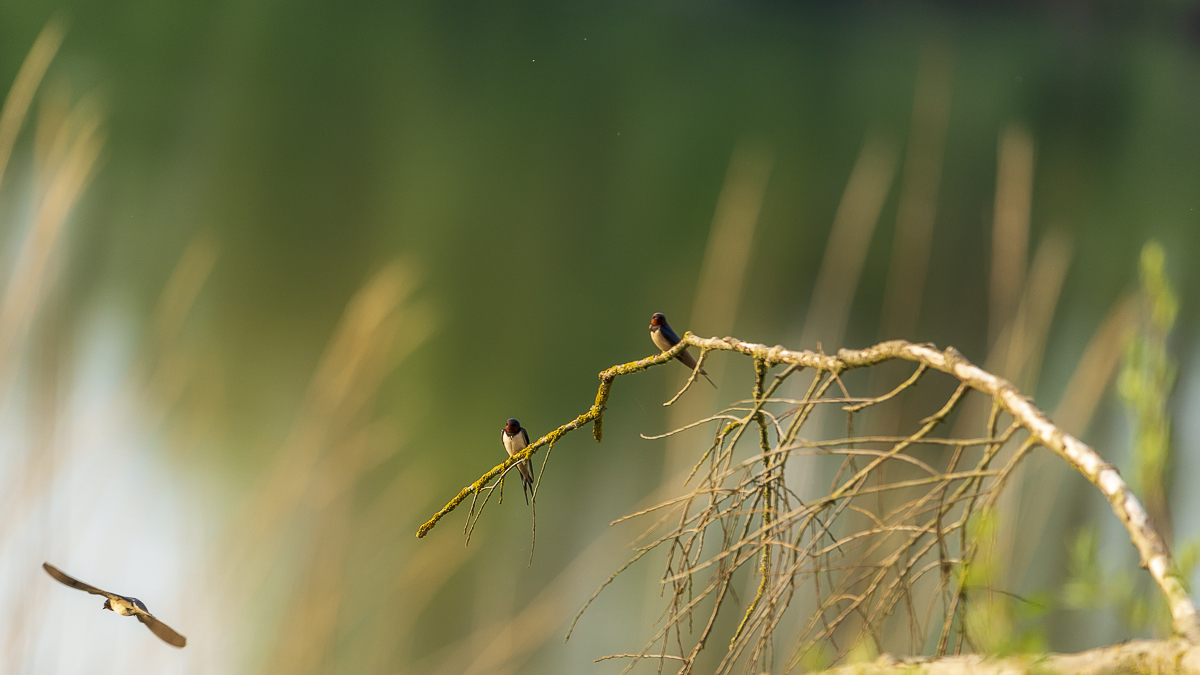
(594, 414)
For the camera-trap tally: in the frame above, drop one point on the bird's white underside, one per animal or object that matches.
(513, 444)
(660, 340)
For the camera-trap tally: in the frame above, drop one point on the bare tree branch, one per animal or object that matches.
(1140, 656)
(865, 560)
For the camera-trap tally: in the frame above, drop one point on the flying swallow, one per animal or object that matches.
(123, 606)
(515, 440)
(665, 338)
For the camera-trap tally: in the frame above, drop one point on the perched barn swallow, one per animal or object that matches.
(123, 606)
(665, 338)
(515, 440)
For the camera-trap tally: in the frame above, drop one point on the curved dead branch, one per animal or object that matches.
(1177, 657)
(867, 574)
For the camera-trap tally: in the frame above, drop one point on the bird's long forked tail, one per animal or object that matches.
(526, 478)
(686, 359)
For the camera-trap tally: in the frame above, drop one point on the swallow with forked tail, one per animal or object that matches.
(515, 440)
(664, 338)
(123, 606)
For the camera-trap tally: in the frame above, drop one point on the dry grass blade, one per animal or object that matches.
(1010, 228)
(24, 297)
(63, 183)
(728, 252)
(333, 443)
(917, 209)
(846, 251)
(20, 95)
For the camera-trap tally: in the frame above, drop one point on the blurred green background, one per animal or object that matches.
(546, 176)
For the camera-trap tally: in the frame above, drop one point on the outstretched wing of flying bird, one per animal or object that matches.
(162, 630)
(68, 580)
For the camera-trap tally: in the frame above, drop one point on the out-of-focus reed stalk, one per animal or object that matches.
(920, 182)
(1017, 356)
(65, 166)
(724, 269)
(60, 186)
(20, 95)
(59, 181)
(727, 254)
(300, 520)
(169, 365)
(1045, 475)
(1010, 292)
(1031, 326)
(846, 250)
(916, 213)
(1010, 226)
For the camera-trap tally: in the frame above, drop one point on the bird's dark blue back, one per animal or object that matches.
(665, 329)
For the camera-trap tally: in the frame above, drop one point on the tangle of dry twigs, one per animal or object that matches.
(892, 540)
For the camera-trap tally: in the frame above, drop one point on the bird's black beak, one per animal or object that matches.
(108, 605)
